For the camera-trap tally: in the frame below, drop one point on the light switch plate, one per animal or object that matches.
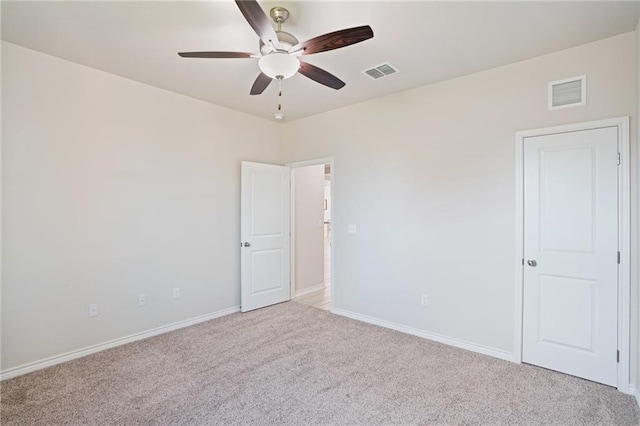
(93, 309)
(352, 228)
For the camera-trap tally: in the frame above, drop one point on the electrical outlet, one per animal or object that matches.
(93, 310)
(425, 299)
(142, 300)
(176, 293)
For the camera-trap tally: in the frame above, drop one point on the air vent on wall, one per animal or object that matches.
(381, 70)
(568, 93)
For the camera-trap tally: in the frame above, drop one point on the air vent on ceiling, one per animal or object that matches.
(568, 93)
(381, 70)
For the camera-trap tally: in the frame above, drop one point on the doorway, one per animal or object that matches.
(572, 287)
(311, 207)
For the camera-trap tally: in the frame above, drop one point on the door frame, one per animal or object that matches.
(624, 237)
(292, 167)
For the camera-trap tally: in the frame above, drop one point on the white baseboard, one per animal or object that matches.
(485, 350)
(307, 290)
(68, 356)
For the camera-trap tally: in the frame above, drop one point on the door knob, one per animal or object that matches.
(530, 262)
(246, 244)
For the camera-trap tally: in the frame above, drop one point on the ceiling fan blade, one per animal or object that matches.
(217, 55)
(334, 40)
(260, 84)
(258, 20)
(320, 76)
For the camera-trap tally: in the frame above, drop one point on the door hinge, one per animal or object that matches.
(618, 258)
(618, 356)
(618, 159)
(523, 262)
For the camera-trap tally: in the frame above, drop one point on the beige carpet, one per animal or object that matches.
(293, 364)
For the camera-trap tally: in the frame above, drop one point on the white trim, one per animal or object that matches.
(635, 392)
(78, 353)
(624, 269)
(583, 94)
(293, 166)
(316, 162)
(292, 232)
(451, 341)
(519, 253)
(624, 235)
(308, 290)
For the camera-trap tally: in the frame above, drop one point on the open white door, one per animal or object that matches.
(264, 232)
(571, 253)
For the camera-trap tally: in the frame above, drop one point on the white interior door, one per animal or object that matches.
(264, 233)
(571, 253)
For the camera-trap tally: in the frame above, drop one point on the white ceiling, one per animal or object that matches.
(427, 41)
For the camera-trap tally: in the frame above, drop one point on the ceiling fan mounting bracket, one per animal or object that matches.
(279, 15)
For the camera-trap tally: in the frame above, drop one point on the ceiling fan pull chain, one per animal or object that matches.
(279, 94)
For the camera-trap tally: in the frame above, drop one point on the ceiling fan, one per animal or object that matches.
(280, 51)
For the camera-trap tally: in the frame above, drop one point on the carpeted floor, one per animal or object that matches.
(293, 364)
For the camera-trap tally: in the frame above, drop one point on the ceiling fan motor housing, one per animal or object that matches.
(287, 41)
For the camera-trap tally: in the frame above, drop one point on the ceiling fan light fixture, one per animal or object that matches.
(279, 65)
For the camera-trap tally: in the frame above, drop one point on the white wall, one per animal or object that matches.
(428, 177)
(309, 226)
(111, 189)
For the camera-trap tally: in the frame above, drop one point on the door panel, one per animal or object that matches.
(266, 270)
(572, 300)
(266, 203)
(571, 231)
(566, 199)
(264, 234)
